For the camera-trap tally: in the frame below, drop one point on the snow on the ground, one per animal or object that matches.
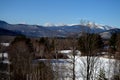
(6, 61)
(80, 66)
(100, 63)
(5, 44)
(65, 51)
(64, 67)
(69, 52)
(5, 55)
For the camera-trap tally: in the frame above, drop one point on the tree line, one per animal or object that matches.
(23, 51)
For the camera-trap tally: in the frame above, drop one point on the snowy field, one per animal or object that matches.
(64, 66)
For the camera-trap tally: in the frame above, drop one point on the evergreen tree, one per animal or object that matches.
(118, 43)
(112, 43)
(44, 71)
(101, 75)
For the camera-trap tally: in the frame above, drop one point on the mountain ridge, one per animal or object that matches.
(55, 31)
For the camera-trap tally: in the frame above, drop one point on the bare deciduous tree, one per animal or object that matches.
(89, 45)
(21, 55)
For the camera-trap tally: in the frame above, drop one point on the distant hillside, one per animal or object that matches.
(107, 34)
(8, 32)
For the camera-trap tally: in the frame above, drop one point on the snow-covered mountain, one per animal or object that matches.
(55, 30)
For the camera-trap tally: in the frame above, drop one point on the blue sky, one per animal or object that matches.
(60, 11)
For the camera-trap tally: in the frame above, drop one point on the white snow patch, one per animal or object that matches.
(6, 61)
(65, 51)
(5, 55)
(5, 44)
(69, 52)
